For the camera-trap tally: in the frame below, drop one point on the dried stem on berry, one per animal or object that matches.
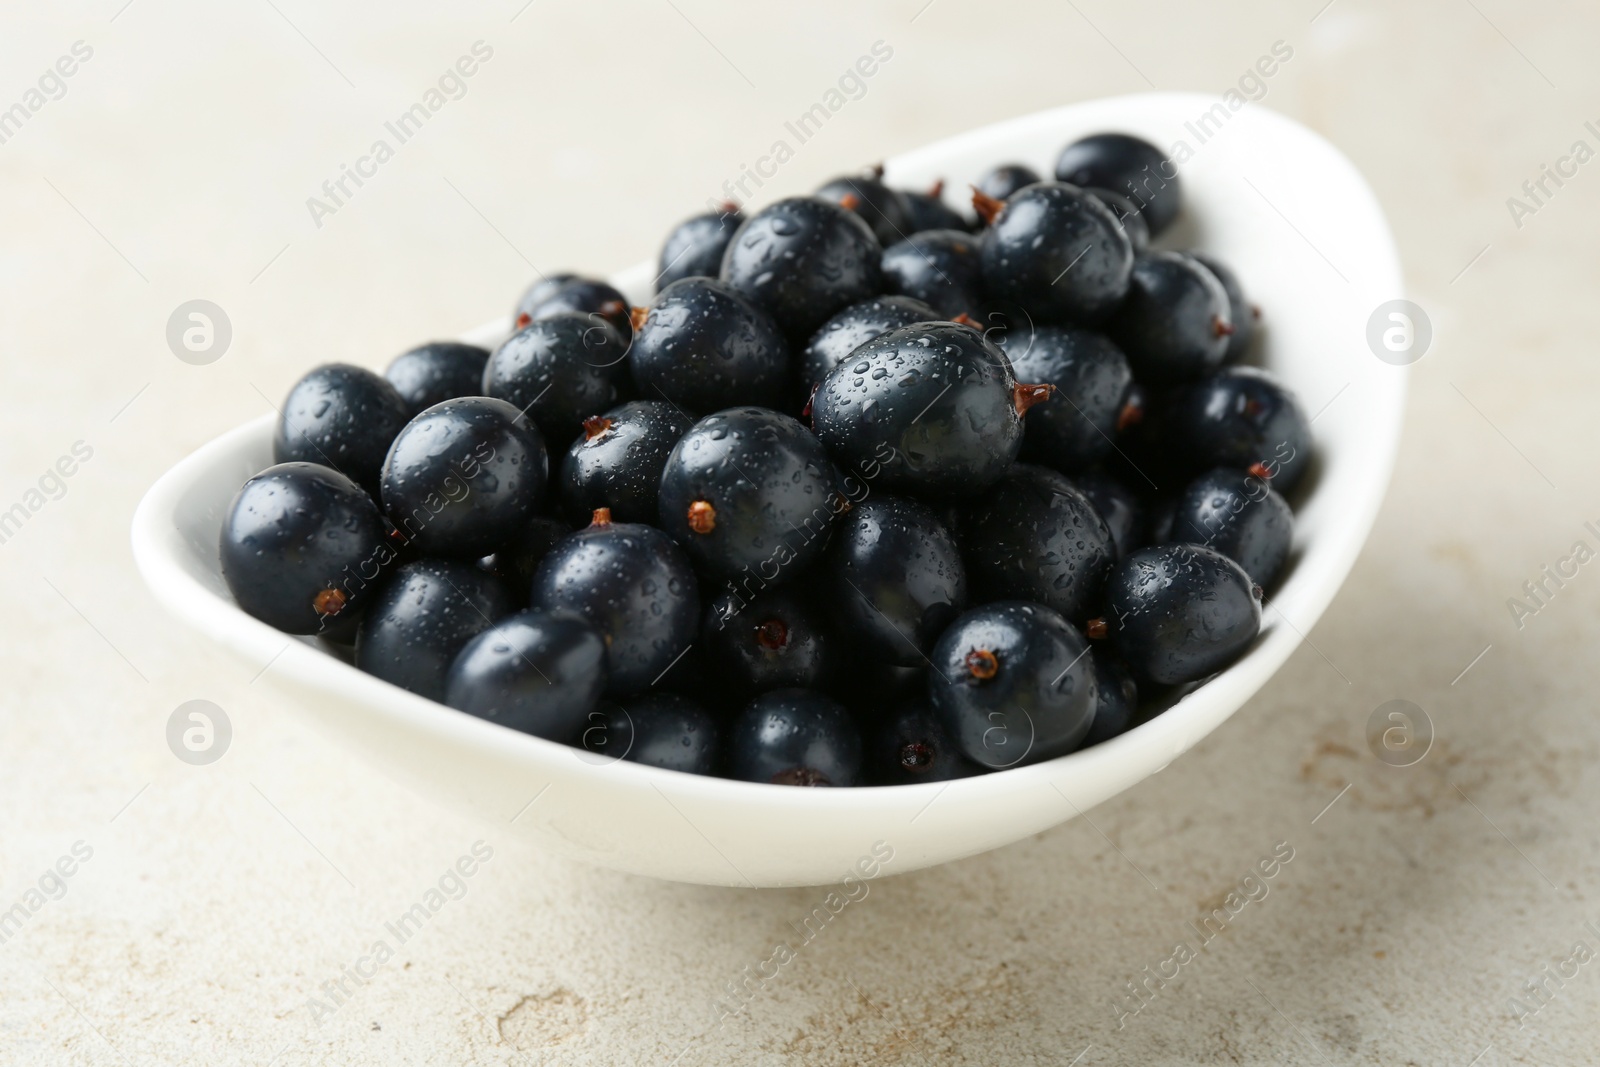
(1024, 397)
(601, 517)
(594, 426)
(329, 602)
(986, 206)
(702, 517)
(982, 664)
(1221, 327)
(1260, 470)
(772, 635)
(1096, 629)
(636, 317)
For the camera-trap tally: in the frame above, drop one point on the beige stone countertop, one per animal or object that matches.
(207, 905)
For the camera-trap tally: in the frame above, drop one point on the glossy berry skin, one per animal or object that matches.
(1240, 516)
(1135, 168)
(695, 246)
(892, 580)
(617, 461)
(1118, 505)
(773, 640)
(1059, 252)
(1036, 537)
(853, 327)
(559, 370)
(1000, 182)
(1077, 425)
(464, 477)
(1236, 418)
(1175, 323)
(803, 259)
(911, 745)
(880, 207)
(928, 211)
(1012, 684)
(704, 347)
(795, 737)
(302, 547)
(592, 299)
(515, 561)
(1117, 695)
(422, 619)
(433, 373)
(749, 491)
(938, 267)
(540, 672)
(931, 407)
(540, 291)
(342, 417)
(663, 730)
(635, 586)
(1128, 214)
(1241, 312)
(1178, 612)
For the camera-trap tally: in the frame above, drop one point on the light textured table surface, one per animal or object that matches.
(217, 900)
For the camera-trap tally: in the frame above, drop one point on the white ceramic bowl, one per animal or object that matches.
(1277, 202)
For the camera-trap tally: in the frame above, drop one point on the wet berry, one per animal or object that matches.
(1239, 515)
(515, 561)
(928, 211)
(1175, 324)
(1058, 252)
(853, 327)
(342, 417)
(1116, 694)
(464, 477)
(540, 672)
(749, 491)
(1237, 418)
(635, 586)
(616, 462)
(892, 579)
(705, 347)
(880, 207)
(432, 373)
(1118, 505)
(1000, 182)
(1179, 612)
(663, 730)
(420, 621)
(1124, 164)
(594, 300)
(1079, 423)
(695, 246)
(1241, 312)
(303, 547)
(1036, 537)
(795, 737)
(911, 745)
(803, 259)
(941, 268)
(930, 409)
(771, 640)
(559, 371)
(1128, 214)
(1012, 684)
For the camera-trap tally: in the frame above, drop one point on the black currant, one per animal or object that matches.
(704, 347)
(635, 586)
(464, 477)
(617, 461)
(342, 417)
(420, 621)
(303, 547)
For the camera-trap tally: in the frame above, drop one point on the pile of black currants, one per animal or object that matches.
(870, 494)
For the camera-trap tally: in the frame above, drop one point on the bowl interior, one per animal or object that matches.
(1310, 245)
